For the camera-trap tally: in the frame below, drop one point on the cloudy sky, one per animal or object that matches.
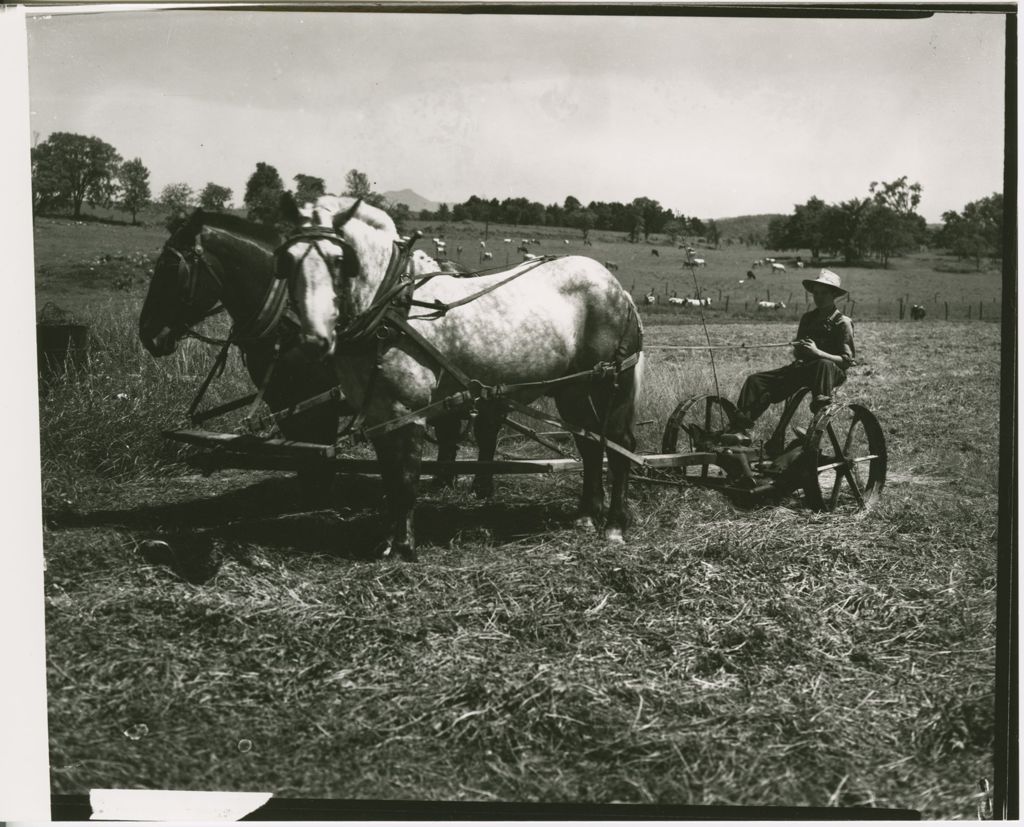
(712, 117)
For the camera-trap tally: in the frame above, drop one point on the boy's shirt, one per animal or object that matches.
(832, 332)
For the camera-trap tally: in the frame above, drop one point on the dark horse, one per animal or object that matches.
(214, 259)
(559, 327)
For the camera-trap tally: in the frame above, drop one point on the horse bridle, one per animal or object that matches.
(189, 265)
(311, 236)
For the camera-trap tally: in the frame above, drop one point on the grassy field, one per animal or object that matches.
(725, 656)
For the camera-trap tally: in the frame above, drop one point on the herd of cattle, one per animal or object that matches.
(917, 312)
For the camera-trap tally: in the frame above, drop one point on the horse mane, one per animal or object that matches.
(370, 215)
(200, 218)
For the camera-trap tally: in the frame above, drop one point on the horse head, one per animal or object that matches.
(185, 287)
(334, 259)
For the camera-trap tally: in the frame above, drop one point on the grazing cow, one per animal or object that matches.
(751, 275)
(611, 265)
(522, 248)
(458, 250)
(675, 300)
(588, 243)
(800, 265)
(530, 257)
(778, 268)
(757, 263)
(917, 312)
(697, 302)
(765, 305)
(567, 242)
(508, 240)
(697, 262)
(483, 243)
(650, 298)
(655, 253)
(487, 256)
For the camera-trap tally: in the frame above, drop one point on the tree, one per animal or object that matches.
(179, 199)
(675, 230)
(357, 185)
(584, 220)
(214, 197)
(845, 225)
(263, 193)
(976, 232)
(69, 169)
(308, 188)
(134, 180)
(892, 224)
(401, 215)
(899, 196)
(713, 235)
(807, 226)
(571, 204)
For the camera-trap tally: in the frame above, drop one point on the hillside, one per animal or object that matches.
(744, 225)
(412, 200)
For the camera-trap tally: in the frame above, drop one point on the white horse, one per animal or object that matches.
(540, 322)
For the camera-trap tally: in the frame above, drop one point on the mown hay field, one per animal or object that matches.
(725, 656)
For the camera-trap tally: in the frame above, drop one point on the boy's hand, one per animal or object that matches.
(807, 349)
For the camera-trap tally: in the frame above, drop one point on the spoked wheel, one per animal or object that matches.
(693, 425)
(792, 427)
(845, 459)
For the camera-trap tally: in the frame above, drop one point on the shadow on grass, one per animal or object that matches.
(194, 536)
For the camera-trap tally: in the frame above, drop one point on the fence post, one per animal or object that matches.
(726, 304)
(768, 294)
(745, 306)
(970, 311)
(901, 308)
(719, 294)
(852, 305)
(947, 310)
(789, 300)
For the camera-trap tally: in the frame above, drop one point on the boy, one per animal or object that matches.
(824, 352)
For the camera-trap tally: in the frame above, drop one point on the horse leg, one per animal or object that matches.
(447, 432)
(485, 429)
(399, 455)
(620, 430)
(618, 511)
(592, 494)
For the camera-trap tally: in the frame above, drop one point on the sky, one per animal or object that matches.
(712, 117)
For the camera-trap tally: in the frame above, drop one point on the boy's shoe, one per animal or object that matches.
(739, 439)
(820, 402)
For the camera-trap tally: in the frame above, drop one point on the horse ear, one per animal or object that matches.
(341, 219)
(289, 210)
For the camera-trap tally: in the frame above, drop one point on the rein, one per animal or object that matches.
(390, 307)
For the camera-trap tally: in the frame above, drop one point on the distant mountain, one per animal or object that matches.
(412, 200)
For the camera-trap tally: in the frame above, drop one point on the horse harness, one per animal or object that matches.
(387, 318)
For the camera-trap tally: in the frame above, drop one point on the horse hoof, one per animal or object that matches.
(585, 523)
(614, 536)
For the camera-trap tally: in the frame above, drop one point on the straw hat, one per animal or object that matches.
(829, 279)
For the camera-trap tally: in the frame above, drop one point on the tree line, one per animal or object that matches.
(885, 223)
(69, 170)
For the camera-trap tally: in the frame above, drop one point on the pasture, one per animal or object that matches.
(725, 656)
